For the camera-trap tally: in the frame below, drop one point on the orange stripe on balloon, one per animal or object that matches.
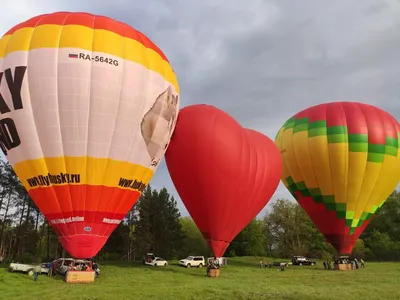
(90, 21)
(69, 198)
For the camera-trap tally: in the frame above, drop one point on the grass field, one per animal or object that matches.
(241, 279)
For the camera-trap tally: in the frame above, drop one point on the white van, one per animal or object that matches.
(192, 261)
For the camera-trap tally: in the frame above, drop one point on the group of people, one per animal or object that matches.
(80, 267)
(355, 264)
(213, 263)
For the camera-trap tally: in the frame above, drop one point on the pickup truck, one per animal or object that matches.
(302, 260)
(26, 268)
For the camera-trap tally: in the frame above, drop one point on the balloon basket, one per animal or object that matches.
(343, 267)
(213, 272)
(80, 277)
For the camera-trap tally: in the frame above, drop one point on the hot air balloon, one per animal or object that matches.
(341, 161)
(224, 174)
(88, 105)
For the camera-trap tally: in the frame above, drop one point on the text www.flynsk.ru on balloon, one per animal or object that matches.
(132, 184)
(46, 180)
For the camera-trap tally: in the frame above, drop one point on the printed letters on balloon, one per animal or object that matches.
(9, 137)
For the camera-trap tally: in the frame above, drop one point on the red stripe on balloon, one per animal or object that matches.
(99, 206)
(333, 228)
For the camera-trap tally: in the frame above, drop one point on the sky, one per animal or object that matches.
(261, 61)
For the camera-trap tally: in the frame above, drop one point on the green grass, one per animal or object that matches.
(241, 279)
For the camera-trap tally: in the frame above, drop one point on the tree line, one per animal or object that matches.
(155, 225)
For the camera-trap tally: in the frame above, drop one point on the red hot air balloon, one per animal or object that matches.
(225, 174)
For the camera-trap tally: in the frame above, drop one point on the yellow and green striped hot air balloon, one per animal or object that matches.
(341, 161)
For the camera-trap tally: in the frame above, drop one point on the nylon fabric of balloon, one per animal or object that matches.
(225, 174)
(341, 161)
(88, 105)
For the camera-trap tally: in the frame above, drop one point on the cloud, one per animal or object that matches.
(261, 61)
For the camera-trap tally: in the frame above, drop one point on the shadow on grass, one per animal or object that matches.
(172, 267)
(240, 263)
(121, 264)
(201, 272)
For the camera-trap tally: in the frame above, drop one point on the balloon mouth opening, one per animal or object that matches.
(82, 246)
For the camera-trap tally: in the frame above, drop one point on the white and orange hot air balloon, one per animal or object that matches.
(88, 105)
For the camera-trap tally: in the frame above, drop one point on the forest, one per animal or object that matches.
(155, 225)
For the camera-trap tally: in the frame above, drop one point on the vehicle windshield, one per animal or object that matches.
(190, 258)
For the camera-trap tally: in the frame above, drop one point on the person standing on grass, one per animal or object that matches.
(36, 270)
(261, 263)
(356, 261)
(362, 263)
(50, 268)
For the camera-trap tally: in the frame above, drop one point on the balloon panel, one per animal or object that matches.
(88, 106)
(341, 162)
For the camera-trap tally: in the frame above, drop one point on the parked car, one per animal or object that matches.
(157, 262)
(192, 261)
(148, 258)
(26, 268)
(302, 260)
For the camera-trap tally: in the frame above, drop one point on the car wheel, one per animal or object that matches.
(200, 266)
(188, 266)
(300, 264)
(155, 265)
(165, 264)
(312, 264)
(30, 273)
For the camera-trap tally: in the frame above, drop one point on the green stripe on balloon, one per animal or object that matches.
(339, 134)
(289, 124)
(330, 204)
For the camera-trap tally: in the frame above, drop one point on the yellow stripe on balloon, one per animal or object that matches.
(303, 158)
(289, 156)
(285, 170)
(338, 160)
(371, 176)
(85, 38)
(385, 182)
(356, 174)
(92, 171)
(320, 161)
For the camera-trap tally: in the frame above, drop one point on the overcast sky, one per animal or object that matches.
(260, 60)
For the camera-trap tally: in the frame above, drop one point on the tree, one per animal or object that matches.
(158, 228)
(359, 249)
(382, 246)
(143, 234)
(387, 219)
(250, 241)
(193, 241)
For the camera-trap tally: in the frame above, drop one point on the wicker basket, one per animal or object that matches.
(344, 267)
(213, 272)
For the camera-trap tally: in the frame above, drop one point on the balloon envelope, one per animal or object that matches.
(340, 161)
(224, 174)
(88, 105)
